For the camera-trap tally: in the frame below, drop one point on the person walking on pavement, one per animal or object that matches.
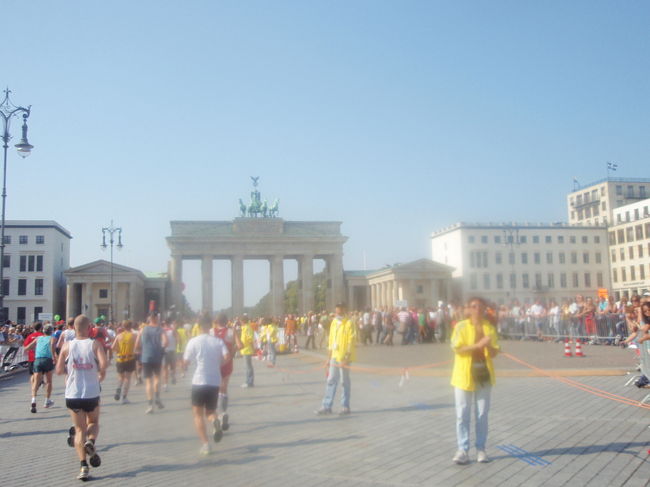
(44, 357)
(124, 349)
(228, 336)
(342, 340)
(86, 368)
(247, 349)
(209, 353)
(474, 342)
(152, 342)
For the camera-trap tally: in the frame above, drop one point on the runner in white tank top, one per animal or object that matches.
(86, 367)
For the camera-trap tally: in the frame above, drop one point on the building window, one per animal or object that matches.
(39, 263)
(6, 261)
(498, 258)
(37, 311)
(614, 275)
(630, 191)
(639, 251)
(21, 313)
(574, 257)
(623, 274)
(420, 289)
(22, 287)
(647, 230)
(550, 280)
(641, 272)
(642, 192)
(613, 255)
(484, 239)
(548, 239)
(537, 258)
(572, 239)
(40, 239)
(535, 239)
(630, 252)
(612, 238)
(511, 258)
(620, 236)
(632, 273)
(471, 239)
(523, 239)
(619, 190)
(585, 239)
(629, 234)
(575, 280)
(31, 263)
(599, 258)
(22, 239)
(513, 281)
(7, 241)
(23, 263)
(587, 279)
(560, 239)
(638, 230)
(524, 280)
(38, 287)
(622, 254)
(497, 239)
(524, 258)
(486, 281)
(499, 281)
(5, 288)
(562, 258)
(103, 293)
(597, 239)
(585, 257)
(599, 279)
(538, 280)
(549, 257)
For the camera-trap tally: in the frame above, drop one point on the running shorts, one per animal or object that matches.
(86, 405)
(43, 365)
(31, 368)
(205, 396)
(124, 367)
(170, 357)
(151, 369)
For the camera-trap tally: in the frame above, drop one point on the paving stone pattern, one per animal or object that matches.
(396, 436)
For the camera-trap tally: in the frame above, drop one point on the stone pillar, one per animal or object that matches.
(177, 282)
(277, 285)
(350, 302)
(336, 276)
(206, 284)
(70, 305)
(88, 308)
(306, 270)
(237, 284)
(394, 295)
(373, 299)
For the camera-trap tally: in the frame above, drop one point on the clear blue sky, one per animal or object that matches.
(396, 118)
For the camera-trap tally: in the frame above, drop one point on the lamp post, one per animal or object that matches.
(7, 112)
(111, 231)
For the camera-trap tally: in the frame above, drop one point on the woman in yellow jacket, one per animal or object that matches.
(474, 342)
(342, 348)
(247, 341)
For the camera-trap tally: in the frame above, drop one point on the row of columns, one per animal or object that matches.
(334, 269)
(387, 293)
(384, 294)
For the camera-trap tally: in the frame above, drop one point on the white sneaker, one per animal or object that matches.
(125, 401)
(149, 410)
(481, 457)
(461, 458)
(205, 450)
(245, 386)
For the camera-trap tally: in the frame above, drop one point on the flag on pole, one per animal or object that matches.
(612, 166)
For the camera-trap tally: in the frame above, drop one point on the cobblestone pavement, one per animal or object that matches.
(401, 433)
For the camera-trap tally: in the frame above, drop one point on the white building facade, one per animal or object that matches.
(36, 255)
(503, 262)
(629, 251)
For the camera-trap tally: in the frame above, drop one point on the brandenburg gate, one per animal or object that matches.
(258, 235)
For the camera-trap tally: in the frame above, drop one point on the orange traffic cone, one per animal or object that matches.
(567, 348)
(579, 348)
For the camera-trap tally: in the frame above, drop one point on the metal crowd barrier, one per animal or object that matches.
(645, 364)
(12, 361)
(607, 329)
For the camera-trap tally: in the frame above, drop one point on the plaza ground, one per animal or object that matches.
(401, 432)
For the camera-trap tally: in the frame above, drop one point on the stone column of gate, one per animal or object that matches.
(237, 281)
(306, 266)
(277, 285)
(206, 284)
(336, 276)
(177, 282)
(70, 304)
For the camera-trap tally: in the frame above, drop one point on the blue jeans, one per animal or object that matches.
(332, 381)
(270, 350)
(250, 375)
(480, 401)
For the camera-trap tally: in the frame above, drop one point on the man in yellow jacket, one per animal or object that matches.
(247, 350)
(474, 342)
(342, 340)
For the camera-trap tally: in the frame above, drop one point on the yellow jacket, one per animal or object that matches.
(196, 330)
(342, 340)
(464, 334)
(247, 338)
(182, 340)
(269, 333)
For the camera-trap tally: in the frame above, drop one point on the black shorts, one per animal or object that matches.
(205, 396)
(31, 368)
(43, 365)
(170, 357)
(123, 367)
(86, 405)
(151, 369)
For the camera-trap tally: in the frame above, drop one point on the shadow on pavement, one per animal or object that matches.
(144, 442)
(295, 443)
(176, 467)
(9, 434)
(582, 450)
(33, 418)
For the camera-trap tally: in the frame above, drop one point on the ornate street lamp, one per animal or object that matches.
(111, 230)
(7, 112)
